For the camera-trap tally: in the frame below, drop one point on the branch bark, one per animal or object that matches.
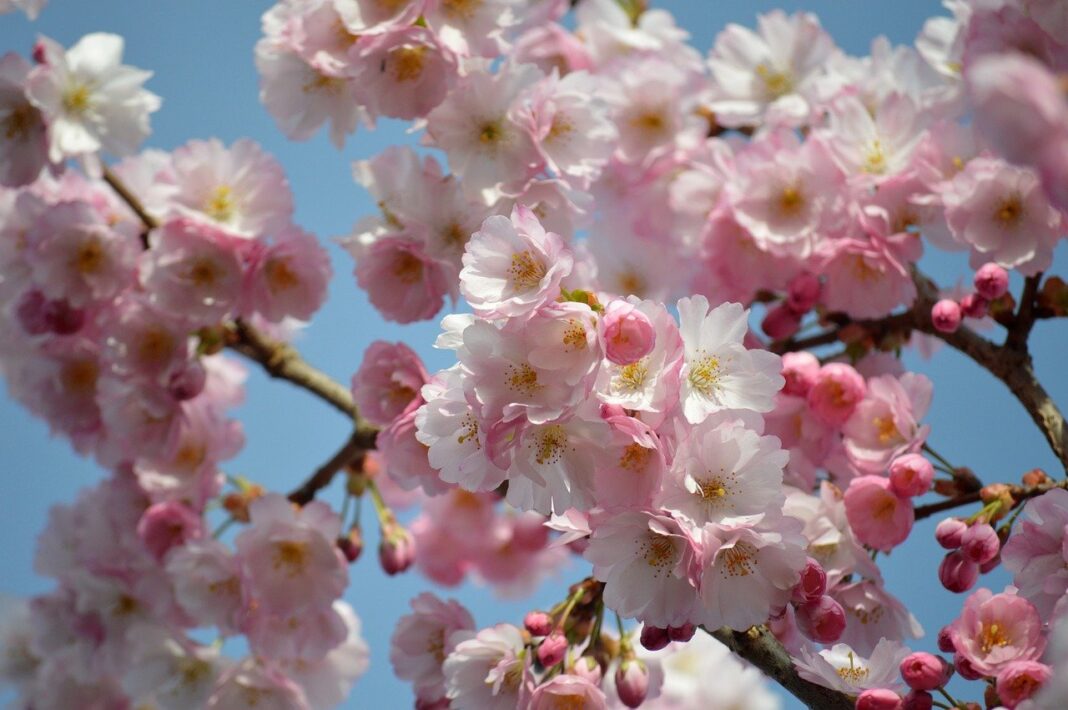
(350, 451)
(760, 647)
(1019, 495)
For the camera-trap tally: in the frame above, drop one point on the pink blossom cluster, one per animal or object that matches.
(138, 585)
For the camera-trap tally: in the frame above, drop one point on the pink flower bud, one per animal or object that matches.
(957, 573)
(965, 668)
(30, 312)
(991, 281)
(835, 393)
(63, 318)
(1019, 680)
(538, 623)
(632, 682)
(683, 633)
(654, 638)
(946, 315)
(945, 640)
(950, 533)
(437, 704)
(164, 526)
(587, 667)
(879, 699)
(812, 585)
(923, 671)
(974, 306)
(628, 333)
(800, 370)
(980, 543)
(188, 382)
(990, 564)
(552, 649)
(396, 552)
(803, 293)
(918, 700)
(911, 475)
(823, 620)
(351, 545)
(780, 323)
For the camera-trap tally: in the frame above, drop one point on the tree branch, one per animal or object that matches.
(760, 647)
(1019, 495)
(353, 448)
(1021, 326)
(133, 203)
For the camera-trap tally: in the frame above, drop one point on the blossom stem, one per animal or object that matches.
(385, 515)
(941, 459)
(223, 527)
(952, 703)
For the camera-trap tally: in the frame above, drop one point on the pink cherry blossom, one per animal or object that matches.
(24, 148)
(994, 630)
(880, 517)
(404, 73)
(288, 278)
(841, 668)
(1035, 554)
(422, 641)
(835, 391)
(402, 281)
(488, 670)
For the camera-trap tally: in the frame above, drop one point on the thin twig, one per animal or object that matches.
(1019, 495)
(133, 203)
(352, 449)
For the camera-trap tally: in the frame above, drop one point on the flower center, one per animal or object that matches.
(574, 336)
(323, 83)
(76, 99)
(885, 508)
(791, 201)
(886, 430)
(79, 376)
(1009, 211)
(220, 206)
(408, 268)
(435, 645)
(524, 379)
(290, 557)
(280, 277)
(875, 160)
(19, 122)
(407, 63)
(90, 257)
(204, 273)
(550, 444)
(737, 560)
(659, 551)
(704, 374)
(155, 347)
(526, 271)
(631, 378)
(468, 430)
(992, 636)
(776, 83)
(855, 673)
(635, 458)
(460, 9)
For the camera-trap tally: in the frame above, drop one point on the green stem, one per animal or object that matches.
(385, 515)
(571, 602)
(941, 459)
(223, 527)
(952, 702)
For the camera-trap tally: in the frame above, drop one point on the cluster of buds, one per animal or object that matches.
(991, 283)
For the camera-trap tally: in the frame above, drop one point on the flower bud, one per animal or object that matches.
(632, 682)
(923, 671)
(980, 543)
(974, 306)
(836, 391)
(990, 564)
(803, 293)
(956, 573)
(628, 333)
(351, 545)
(879, 699)
(950, 533)
(396, 552)
(552, 649)
(538, 623)
(1035, 477)
(167, 525)
(799, 370)
(62, 318)
(946, 315)
(587, 667)
(654, 638)
(965, 668)
(991, 281)
(188, 382)
(823, 621)
(812, 585)
(683, 633)
(780, 323)
(437, 704)
(945, 640)
(918, 700)
(911, 475)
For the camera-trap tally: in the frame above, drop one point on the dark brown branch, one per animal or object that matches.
(1021, 326)
(133, 203)
(1019, 495)
(353, 448)
(760, 647)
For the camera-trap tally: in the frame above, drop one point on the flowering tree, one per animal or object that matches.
(688, 282)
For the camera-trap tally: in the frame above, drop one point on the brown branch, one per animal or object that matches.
(1019, 495)
(1021, 326)
(133, 203)
(353, 448)
(760, 647)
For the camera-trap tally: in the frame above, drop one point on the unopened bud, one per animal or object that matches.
(950, 533)
(683, 633)
(654, 638)
(980, 543)
(918, 700)
(396, 552)
(974, 306)
(632, 682)
(351, 545)
(991, 281)
(812, 585)
(780, 323)
(957, 573)
(878, 699)
(587, 667)
(946, 315)
(924, 671)
(1036, 477)
(188, 382)
(538, 623)
(823, 621)
(552, 649)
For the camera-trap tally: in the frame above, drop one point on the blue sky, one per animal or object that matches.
(201, 52)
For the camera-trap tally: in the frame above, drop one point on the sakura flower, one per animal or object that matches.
(631, 466)
(472, 29)
(144, 341)
(646, 562)
(388, 382)
(1035, 552)
(769, 77)
(879, 144)
(1020, 680)
(240, 188)
(422, 641)
(994, 630)
(841, 668)
(513, 266)
(78, 258)
(489, 670)
(193, 271)
(405, 457)
(568, 689)
(748, 571)
(475, 127)
(402, 281)
(328, 681)
(24, 145)
(92, 101)
(836, 390)
(880, 518)
(288, 278)
(886, 422)
(719, 372)
(207, 583)
(1002, 214)
(174, 676)
(725, 472)
(307, 634)
(165, 526)
(404, 73)
(289, 560)
(872, 613)
(252, 684)
(375, 16)
(650, 115)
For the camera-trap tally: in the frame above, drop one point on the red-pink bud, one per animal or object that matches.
(799, 370)
(991, 281)
(980, 543)
(950, 533)
(823, 620)
(552, 649)
(632, 682)
(396, 552)
(965, 668)
(164, 526)
(654, 638)
(188, 382)
(946, 315)
(923, 671)
(990, 564)
(945, 640)
(63, 318)
(587, 667)
(683, 633)
(30, 312)
(812, 585)
(351, 545)
(39, 52)
(628, 333)
(911, 475)
(436, 704)
(878, 699)
(803, 293)
(780, 323)
(918, 700)
(538, 623)
(957, 573)
(974, 306)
